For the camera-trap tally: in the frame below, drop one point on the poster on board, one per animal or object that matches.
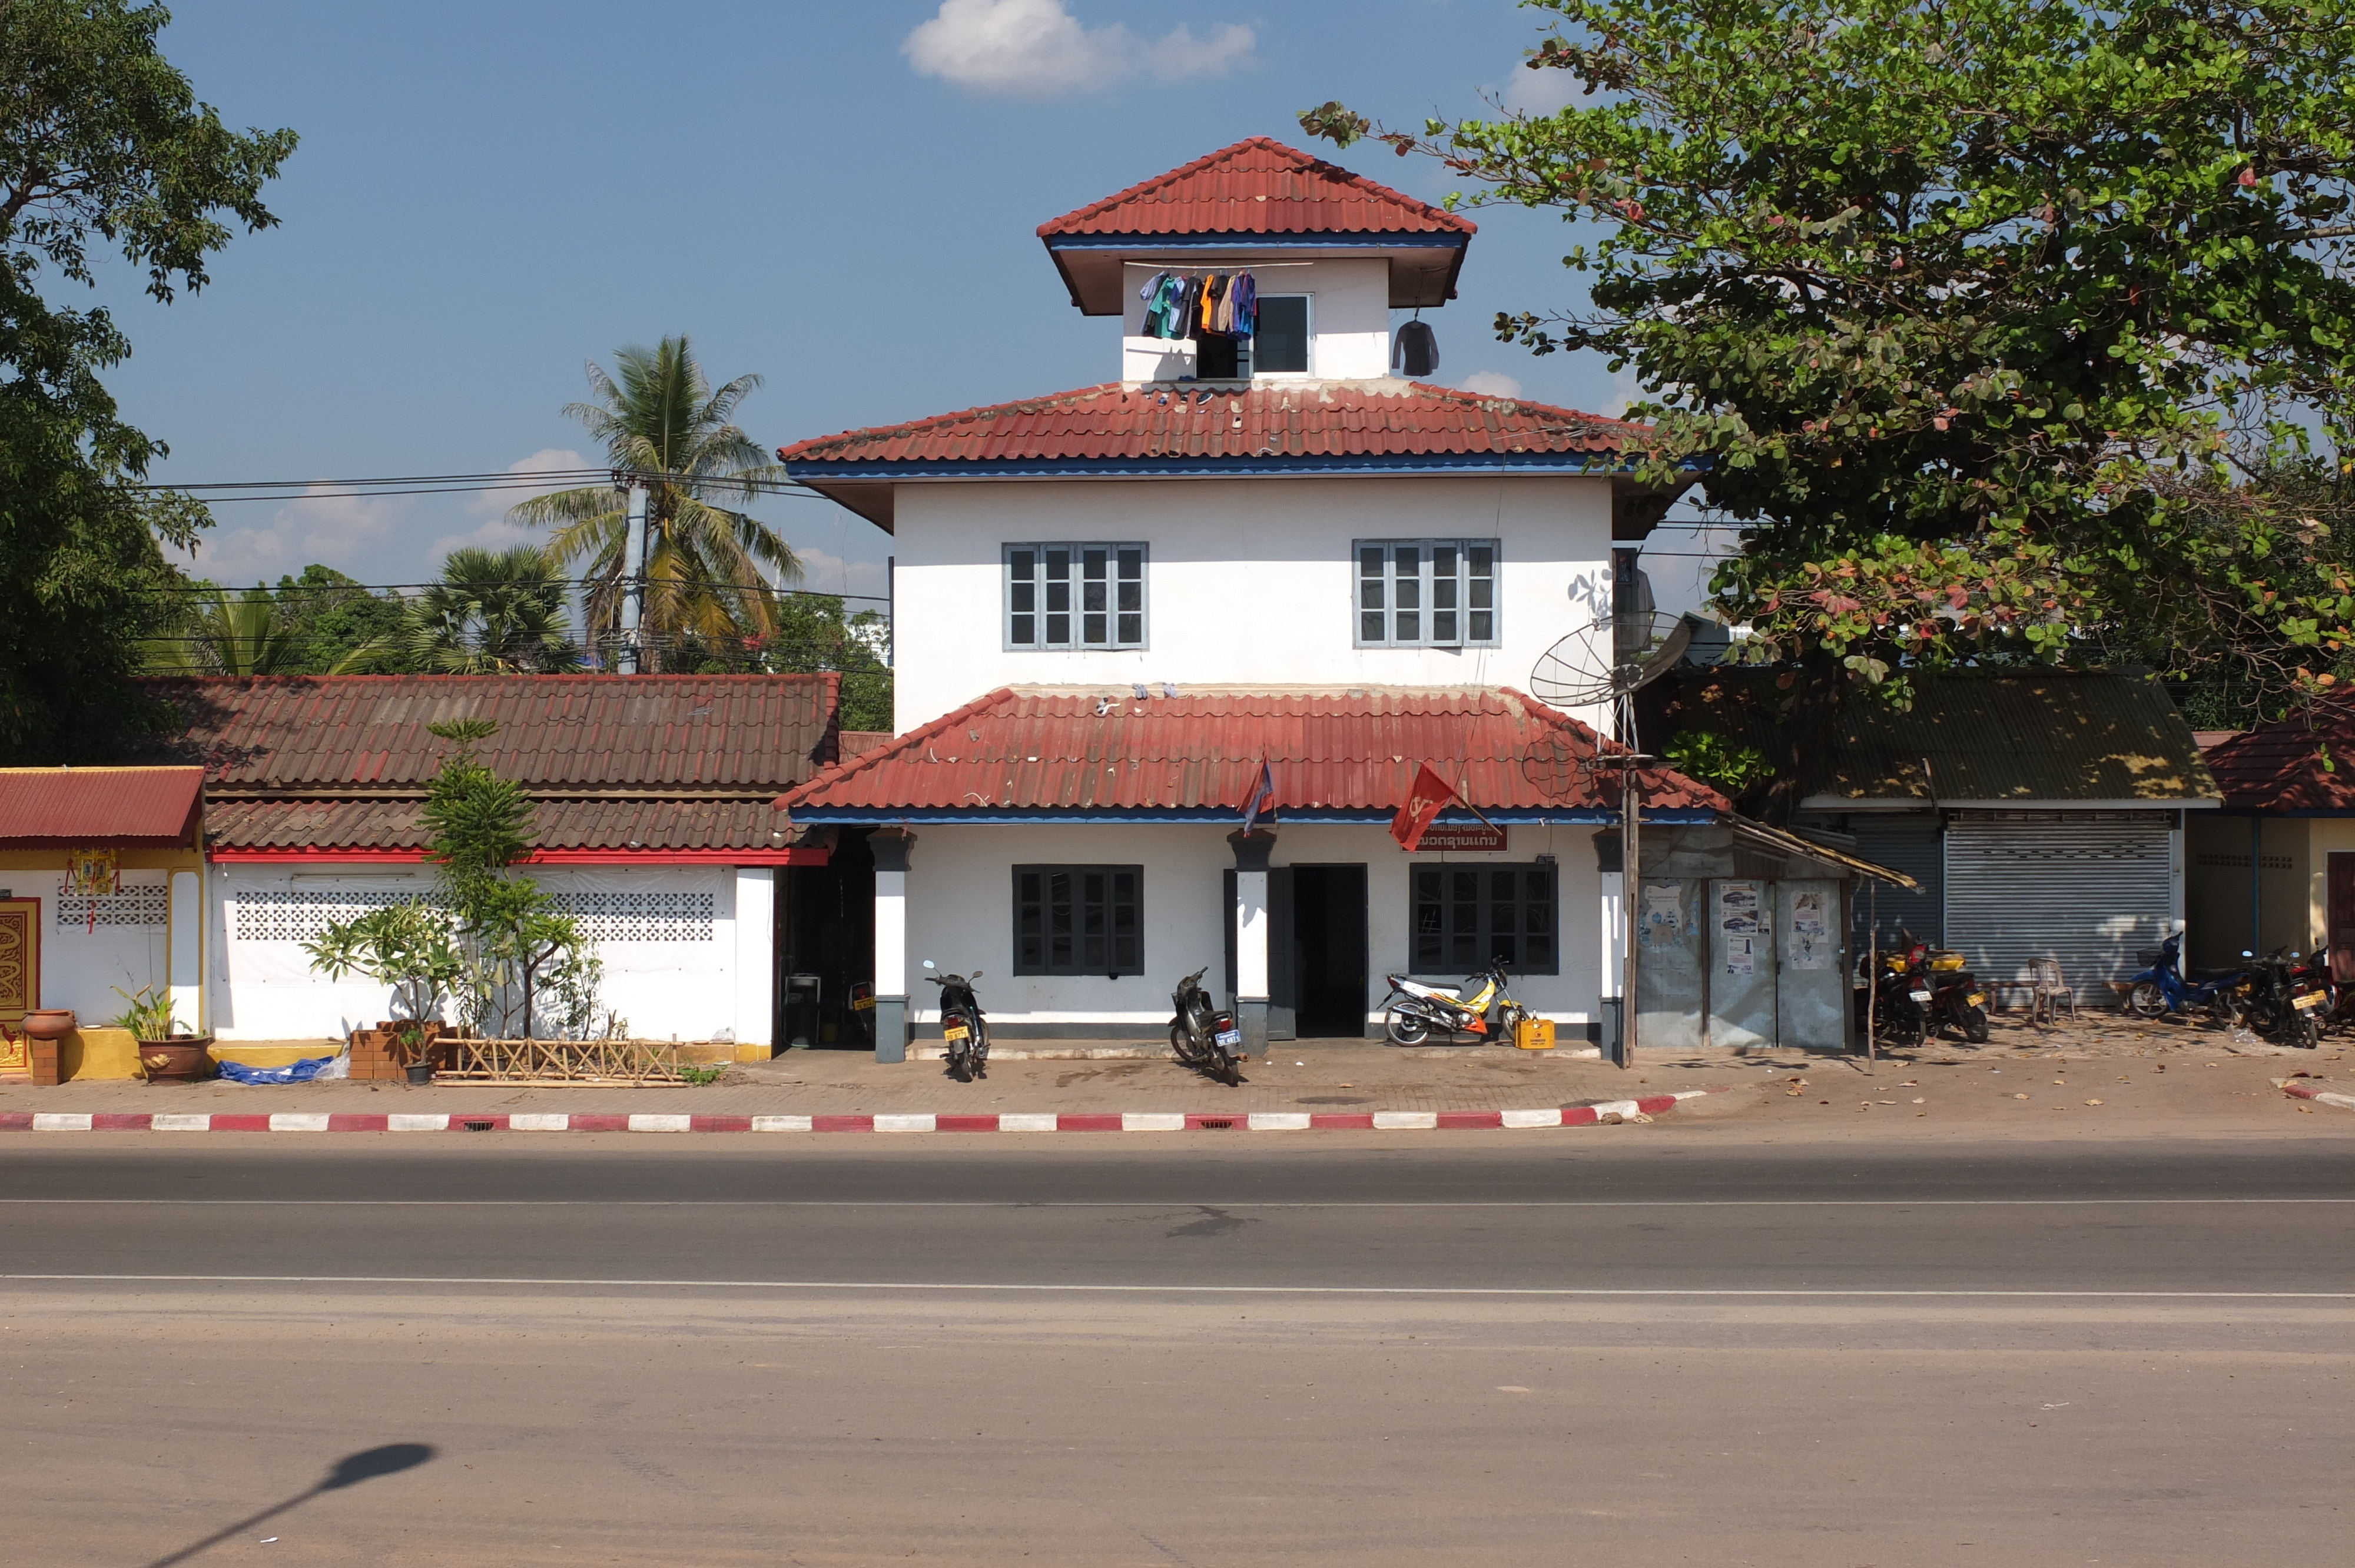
(1739, 923)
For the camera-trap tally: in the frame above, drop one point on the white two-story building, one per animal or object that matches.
(1255, 583)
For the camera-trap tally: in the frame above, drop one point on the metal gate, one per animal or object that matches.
(2090, 892)
(1734, 962)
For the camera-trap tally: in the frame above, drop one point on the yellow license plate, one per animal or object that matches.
(2311, 999)
(1978, 999)
(956, 1031)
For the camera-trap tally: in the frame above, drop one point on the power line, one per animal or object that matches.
(291, 588)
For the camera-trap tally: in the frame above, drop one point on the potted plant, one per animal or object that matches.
(409, 948)
(44, 1028)
(166, 1054)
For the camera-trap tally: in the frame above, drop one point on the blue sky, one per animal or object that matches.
(841, 198)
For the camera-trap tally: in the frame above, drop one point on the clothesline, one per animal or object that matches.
(1220, 267)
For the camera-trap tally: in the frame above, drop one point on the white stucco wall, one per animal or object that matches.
(960, 913)
(81, 968)
(1348, 317)
(263, 988)
(1247, 581)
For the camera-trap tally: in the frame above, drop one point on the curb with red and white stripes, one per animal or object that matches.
(2326, 1096)
(918, 1121)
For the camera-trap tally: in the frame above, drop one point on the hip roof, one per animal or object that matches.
(1258, 186)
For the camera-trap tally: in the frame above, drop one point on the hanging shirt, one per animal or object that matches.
(1245, 295)
(1416, 353)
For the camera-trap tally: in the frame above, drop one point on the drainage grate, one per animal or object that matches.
(1217, 1121)
(477, 1126)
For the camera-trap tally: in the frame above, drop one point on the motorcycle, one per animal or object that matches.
(2339, 1000)
(1203, 1036)
(1480, 1008)
(1955, 1001)
(2159, 988)
(2282, 1008)
(961, 1025)
(1901, 1000)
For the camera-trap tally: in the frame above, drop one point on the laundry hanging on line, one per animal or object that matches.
(1200, 304)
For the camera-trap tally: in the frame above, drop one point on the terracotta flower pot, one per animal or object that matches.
(49, 1023)
(182, 1060)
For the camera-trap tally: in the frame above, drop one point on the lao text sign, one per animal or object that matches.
(1463, 838)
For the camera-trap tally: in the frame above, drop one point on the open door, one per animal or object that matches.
(1329, 959)
(2340, 915)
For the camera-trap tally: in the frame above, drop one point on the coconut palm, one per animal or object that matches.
(225, 635)
(709, 568)
(495, 612)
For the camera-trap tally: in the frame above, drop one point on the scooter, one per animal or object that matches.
(1900, 1002)
(2282, 1008)
(1956, 1001)
(1203, 1036)
(1479, 1008)
(961, 1025)
(2159, 988)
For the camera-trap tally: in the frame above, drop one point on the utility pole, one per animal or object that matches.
(1631, 886)
(633, 581)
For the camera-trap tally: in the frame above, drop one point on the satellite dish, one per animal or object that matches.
(1609, 657)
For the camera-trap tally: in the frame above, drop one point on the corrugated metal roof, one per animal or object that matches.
(99, 807)
(1973, 736)
(1259, 186)
(2281, 766)
(1029, 748)
(297, 732)
(623, 826)
(1266, 420)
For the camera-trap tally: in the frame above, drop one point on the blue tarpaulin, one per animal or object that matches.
(300, 1072)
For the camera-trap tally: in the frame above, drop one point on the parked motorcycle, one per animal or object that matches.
(1203, 1036)
(1901, 1001)
(1956, 1001)
(2339, 1000)
(2159, 987)
(1480, 1008)
(961, 1025)
(2283, 1009)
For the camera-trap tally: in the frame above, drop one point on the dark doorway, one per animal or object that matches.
(825, 934)
(1328, 948)
(2340, 878)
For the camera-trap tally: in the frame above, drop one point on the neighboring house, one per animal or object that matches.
(2043, 813)
(140, 827)
(2283, 845)
(654, 820)
(1260, 573)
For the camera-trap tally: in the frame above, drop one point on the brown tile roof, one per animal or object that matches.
(1259, 186)
(1348, 754)
(2302, 764)
(626, 764)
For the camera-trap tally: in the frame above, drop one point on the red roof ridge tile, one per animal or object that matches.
(1426, 215)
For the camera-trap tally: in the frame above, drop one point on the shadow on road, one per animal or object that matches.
(350, 1471)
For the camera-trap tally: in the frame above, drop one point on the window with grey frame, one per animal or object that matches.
(1079, 920)
(1074, 596)
(1466, 917)
(1427, 593)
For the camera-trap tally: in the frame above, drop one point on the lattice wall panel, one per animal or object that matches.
(143, 903)
(302, 915)
(641, 916)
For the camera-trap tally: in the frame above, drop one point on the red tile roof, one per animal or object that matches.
(636, 764)
(1267, 420)
(2281, 766)
(99, 808)
(1342, 751)
(1259, 186)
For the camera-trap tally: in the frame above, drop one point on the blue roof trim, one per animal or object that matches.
(809, 470)
(867, 816)
(1398, 240)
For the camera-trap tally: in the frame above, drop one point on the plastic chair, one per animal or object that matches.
(2048, 989)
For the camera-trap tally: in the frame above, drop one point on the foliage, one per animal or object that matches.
(480, 822)
(701, 1077)
(148, 1015)
(708, 568)
(103, 146)
(495, 612)
(340, 626)
(410, 946)
(231, 634)
(1731, 766)
(1966, 305)
(813, 633)
(528, 957)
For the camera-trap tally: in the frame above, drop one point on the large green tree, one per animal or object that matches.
(1990, 316)
(495, 612)
(103, 147)
(710, 564)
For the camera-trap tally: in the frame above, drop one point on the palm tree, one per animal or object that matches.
(709, 568)
(495, 612)
(244, 635)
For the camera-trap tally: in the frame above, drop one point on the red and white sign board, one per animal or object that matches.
(1463, 838)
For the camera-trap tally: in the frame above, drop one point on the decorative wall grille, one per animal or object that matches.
(302, 914)
(641, 916)
(138, 904)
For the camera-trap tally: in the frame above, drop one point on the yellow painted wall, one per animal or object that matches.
(100, 1053)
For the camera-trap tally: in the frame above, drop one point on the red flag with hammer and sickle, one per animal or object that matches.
(1424, 803)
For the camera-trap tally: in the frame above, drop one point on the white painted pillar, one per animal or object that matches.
(891, 847)
(184, 949)
(756, 962)
(1253, 929)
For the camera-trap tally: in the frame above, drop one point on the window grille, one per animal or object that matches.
(1079, 920)
(1466, 916)
(1074, 596)
(139, 904)
(1427, 593)
(304, 914)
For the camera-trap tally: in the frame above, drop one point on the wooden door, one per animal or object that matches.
(2339, 917)
(20, 979)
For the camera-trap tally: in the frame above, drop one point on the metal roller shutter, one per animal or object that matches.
(2088, 892)
(1910, 844)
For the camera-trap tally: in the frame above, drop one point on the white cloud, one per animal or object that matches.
(333, 530)
(1490, 384)
(494, 532)
(1542, 92)
(1037, 48)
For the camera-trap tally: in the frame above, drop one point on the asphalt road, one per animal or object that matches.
(1428, 1349)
